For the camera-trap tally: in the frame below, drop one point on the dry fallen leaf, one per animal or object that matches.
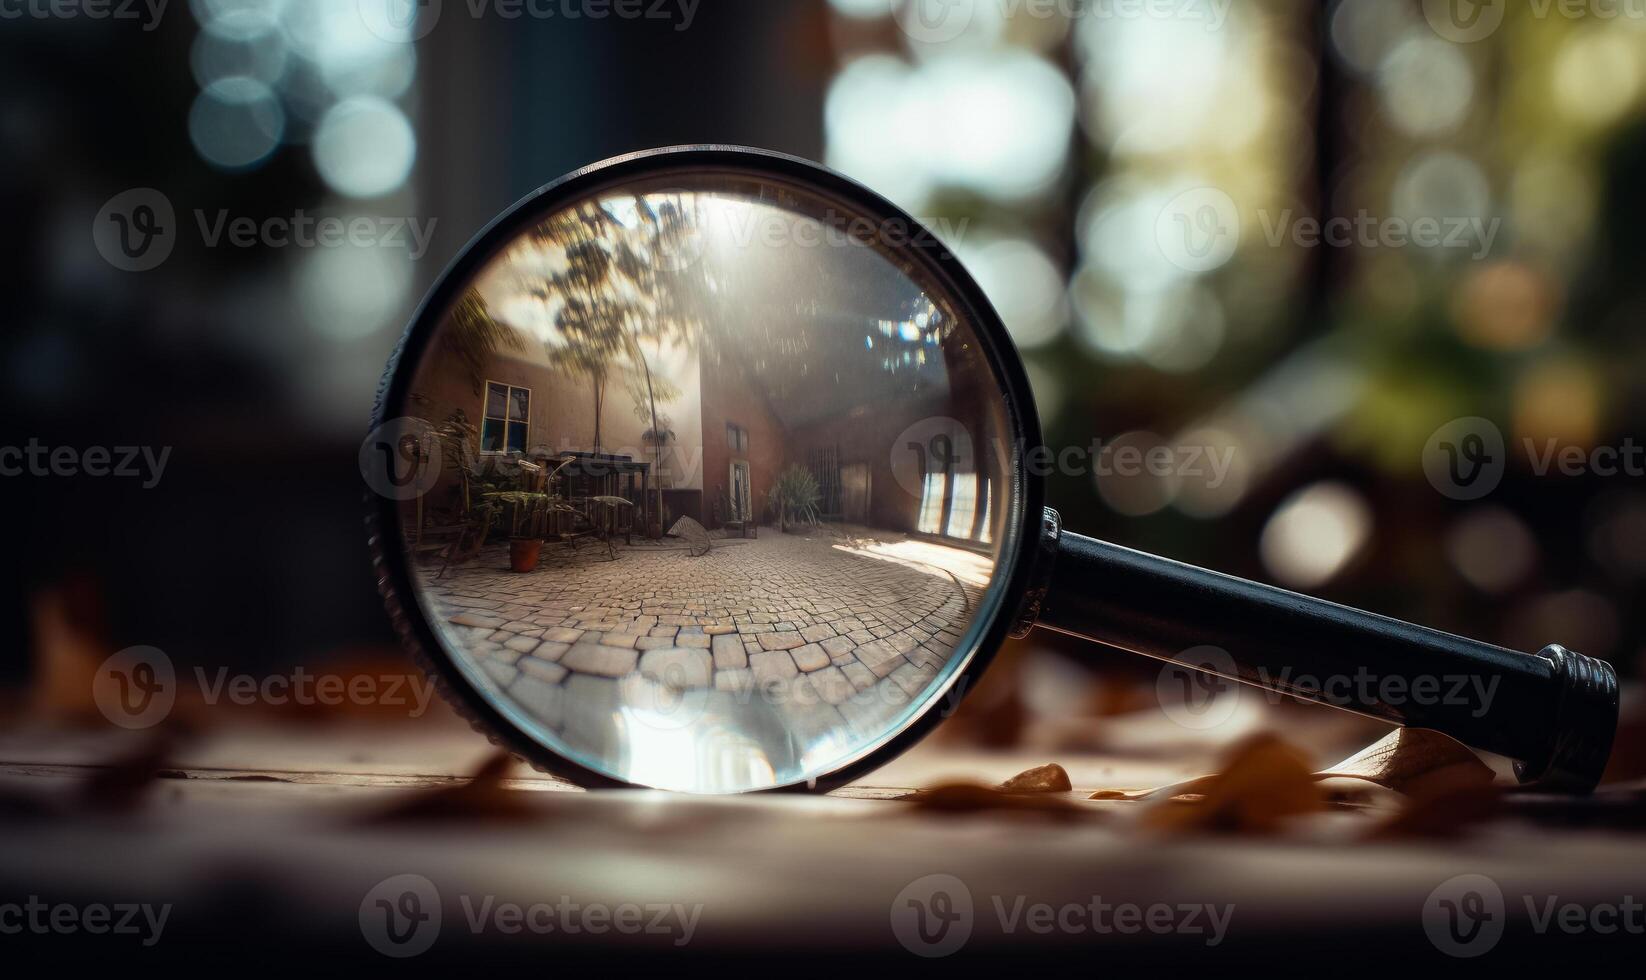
(1407, 756)
(482, 797)
(956, 798)
(1393, 762)
(1028, 791)
(70, 640)
(1049, 778)
(121, 784)
(1441, 803)
(1263, 783)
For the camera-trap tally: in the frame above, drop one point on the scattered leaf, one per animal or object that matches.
(121, 785)
(957, 798)
(1262, 784)
(1049, 778)
(1407, 756)
(482, 797)
(70, 640)
(1393, 762)
(1441, 804)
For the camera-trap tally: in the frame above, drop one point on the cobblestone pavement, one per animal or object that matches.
(804, 633)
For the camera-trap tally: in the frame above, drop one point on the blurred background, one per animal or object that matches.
(1133, 184)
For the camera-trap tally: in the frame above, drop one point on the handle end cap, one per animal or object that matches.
(1585, 721)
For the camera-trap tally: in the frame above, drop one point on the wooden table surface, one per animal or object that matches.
(256, 839)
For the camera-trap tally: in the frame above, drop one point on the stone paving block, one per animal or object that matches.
(504, 674)
(678, 667)
(810, 657)
(522, 644)
(589, 705)
(546, 701)
(500, 654)
(543, 670)
(601, 660)
(550, 651)
(470, 602)
(832, 685)
(869, 711)
(780, 641)
(860, 676)
(913, 680)
(879, 657)
(818, 633)
(837, 645)
(925, 656)
(787, 609)
(729, 653)
(735, 681)
(772, 665)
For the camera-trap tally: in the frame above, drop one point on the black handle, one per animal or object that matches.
(1555, 711)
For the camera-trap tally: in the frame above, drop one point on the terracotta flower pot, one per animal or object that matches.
(523, 553)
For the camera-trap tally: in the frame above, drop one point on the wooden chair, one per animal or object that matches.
(460, 540)
(694, 534)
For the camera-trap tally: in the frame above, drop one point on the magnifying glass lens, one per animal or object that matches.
(705, 479)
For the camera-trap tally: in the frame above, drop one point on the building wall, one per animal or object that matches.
(868, 434)
(865, 436)
(728, 397)
(562, 413)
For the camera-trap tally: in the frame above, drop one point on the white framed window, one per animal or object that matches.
(506, 421)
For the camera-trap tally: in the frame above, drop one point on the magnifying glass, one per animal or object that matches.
(704, 469)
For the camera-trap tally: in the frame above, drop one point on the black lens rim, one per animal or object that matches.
(393, 568)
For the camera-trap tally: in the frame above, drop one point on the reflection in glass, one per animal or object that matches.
(714, 510)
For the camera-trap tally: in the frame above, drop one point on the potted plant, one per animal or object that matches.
(795, 496)
(527, 515)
